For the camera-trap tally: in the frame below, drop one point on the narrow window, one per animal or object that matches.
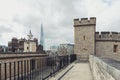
(110, 35)
(99, 36)
(32, 63)
(115, 48)
(27, 48)
(83, 37)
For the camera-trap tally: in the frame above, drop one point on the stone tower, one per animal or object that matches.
(84, 37)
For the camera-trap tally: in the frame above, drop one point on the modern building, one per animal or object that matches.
(54, 48)
(88, 41)
(42, 42)
(66, 49)
(3, 48)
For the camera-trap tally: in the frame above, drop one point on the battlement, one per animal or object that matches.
(85, 22)
(115, 36)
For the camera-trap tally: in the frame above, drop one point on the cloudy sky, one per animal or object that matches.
(17, 17)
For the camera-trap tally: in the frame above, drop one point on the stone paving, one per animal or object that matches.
(79, 71)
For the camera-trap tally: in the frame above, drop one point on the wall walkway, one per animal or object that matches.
(79, 71)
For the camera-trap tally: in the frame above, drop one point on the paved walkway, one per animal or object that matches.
(79, 71)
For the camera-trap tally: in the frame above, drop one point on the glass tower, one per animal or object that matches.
(42, 37)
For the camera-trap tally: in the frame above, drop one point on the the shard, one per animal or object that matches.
(42, 37)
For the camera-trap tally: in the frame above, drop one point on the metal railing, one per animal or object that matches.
(34, 68)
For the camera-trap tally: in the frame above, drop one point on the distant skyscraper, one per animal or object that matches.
(42, 37)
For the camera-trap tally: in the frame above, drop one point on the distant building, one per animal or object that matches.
(13, 45)
(39, 48)
(30, 46)
(42, 42)
(54, 48)
(24, 45)
(66, 49)
(3, 48)
(62, 49)
(48, 52)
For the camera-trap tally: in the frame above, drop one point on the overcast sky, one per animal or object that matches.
(17, 17)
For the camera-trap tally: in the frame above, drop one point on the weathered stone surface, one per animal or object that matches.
(87, 41)
(84, 37)
(103, 70)
(81, 71)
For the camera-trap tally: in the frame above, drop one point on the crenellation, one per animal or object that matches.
(85, 43)
(85, 22)
(93, 20)
(107, 36)
(114, 35)
(114, 32)
(97, 35)
(119, 36)
(88, 41)
(76, 21)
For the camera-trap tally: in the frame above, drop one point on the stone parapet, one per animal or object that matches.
(85, 22)
(104, 69)
(107, 36)
(21, 55)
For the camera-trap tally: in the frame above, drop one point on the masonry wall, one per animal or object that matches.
(102, 70)
(106, 48)
(84, 43)
(105, 42)
(24, 63)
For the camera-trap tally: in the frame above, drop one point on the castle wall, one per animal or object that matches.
(109, 36)
(87, 41)
(104, 69)
(105, 42)
(106, 47)
(84, 37)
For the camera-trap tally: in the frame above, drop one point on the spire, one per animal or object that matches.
(30, 36)
(42, 37)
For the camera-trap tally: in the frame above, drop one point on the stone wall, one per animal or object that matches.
(24, 62)
(84, 31)
(105, 42)
(106, 47)
(102, 70)
(107, 36)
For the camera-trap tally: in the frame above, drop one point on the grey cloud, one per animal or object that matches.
(57, 16)
(5, 29)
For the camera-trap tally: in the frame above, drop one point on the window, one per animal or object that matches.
(115, 48)
(27, 48)
(83, 37)
(99, 36)
(32, 63)
(110, 35)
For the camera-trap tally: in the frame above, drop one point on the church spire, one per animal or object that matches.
(30, 35)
